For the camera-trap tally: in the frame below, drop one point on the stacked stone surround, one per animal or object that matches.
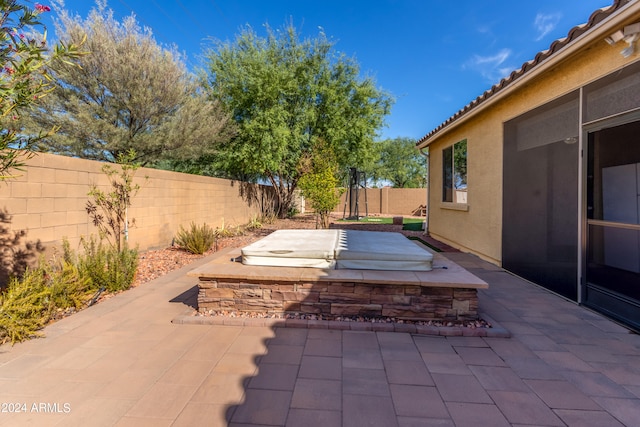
(334, 299)
(443, 294)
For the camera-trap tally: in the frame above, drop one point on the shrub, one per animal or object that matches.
(24, 306)
(197, 239)
(34, 299)
(68, 287)
(254, 223)
(108, 268)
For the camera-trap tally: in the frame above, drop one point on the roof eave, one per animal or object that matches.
(579, 37)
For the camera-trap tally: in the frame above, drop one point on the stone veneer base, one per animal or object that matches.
(448, 293)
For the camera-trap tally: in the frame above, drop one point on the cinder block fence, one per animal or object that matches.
(49, 197)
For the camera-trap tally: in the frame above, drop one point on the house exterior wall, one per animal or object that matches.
(477, 226)
(49, 197)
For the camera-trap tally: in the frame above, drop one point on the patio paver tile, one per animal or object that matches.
(467, 342)
(371, 411)
(499, 378)
(626, 411)
(433, 345)
(323, 347)
(274, 376)
(283, 354)
(299, 417)
(524, 408)
(407, 372)
(368, 382)
(319, 367)
(510, 348)
(418, 401)
(362, 358)
(536, 369)
(476, 414)
(444, 363)
(360, 340)
(269, 407)
(425, 422)
(289, 336)
(461, 388)
(578, 418)
(565, 361)
(479, 356)
(317, 394)
(595, 384)
(221, 389)
(562, 395)
(162, 400)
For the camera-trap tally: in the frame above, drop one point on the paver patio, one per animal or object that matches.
(122, 362)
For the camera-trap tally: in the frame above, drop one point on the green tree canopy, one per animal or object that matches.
(285, 94)
(129, 93)
(24, 78)
(400, 163)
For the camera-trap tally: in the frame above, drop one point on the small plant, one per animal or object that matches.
(109, 211)
(24, 307)
(197, 239)
(68, 287)
(229, 231)
(34, 299)
(319, 184)
(254, 223)
(108, 268)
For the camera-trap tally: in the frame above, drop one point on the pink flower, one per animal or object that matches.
(9, 70)
(42, 8)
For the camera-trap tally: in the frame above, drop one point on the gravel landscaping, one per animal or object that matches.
(155, 263)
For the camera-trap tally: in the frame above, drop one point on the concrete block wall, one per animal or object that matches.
(389, 201)
(49, 198)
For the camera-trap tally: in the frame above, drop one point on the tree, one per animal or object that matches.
(319, 183)
(109, 210)
(24, 78)
(400, 163)
(286, 94)
(128, 94)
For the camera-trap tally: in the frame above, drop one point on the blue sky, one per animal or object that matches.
(434, 57)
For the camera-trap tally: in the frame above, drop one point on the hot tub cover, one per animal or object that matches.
(342, 249)
(293, 248)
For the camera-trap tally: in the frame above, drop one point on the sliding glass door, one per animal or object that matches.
(612, 265)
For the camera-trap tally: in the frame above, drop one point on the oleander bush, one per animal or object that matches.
(197, 239)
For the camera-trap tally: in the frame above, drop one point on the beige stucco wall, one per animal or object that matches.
(388, 201)
(478, 227)
(49, 197)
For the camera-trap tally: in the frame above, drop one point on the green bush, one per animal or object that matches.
(197, 239)
(108, 268)
(24, 306)
(31, 301)
(254, 223)
(69, 288)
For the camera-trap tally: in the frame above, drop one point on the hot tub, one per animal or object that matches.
(338, 249)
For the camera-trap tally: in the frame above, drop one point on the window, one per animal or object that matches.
(454, 173)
